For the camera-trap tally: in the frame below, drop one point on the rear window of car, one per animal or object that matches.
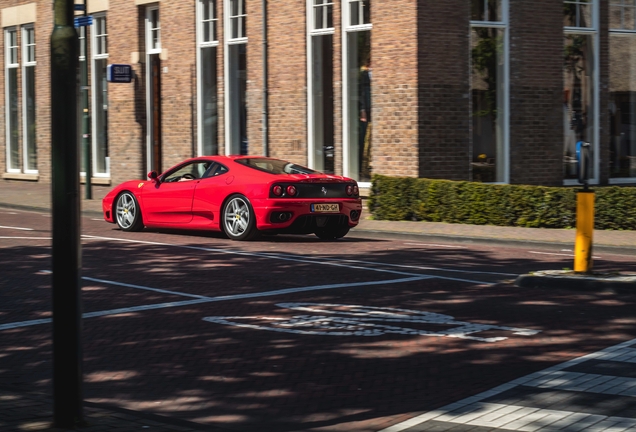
(275, 166)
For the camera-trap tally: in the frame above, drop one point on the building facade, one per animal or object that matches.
(495, 91)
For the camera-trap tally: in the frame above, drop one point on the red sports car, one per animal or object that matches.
(241, 196)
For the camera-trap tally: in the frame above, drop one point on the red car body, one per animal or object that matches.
(250, 193)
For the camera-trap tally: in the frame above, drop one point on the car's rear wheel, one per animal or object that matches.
(239, 221)
(332, 233)
(128, 213)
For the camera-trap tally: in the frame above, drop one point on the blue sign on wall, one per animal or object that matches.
(83, 21)
(119, 73)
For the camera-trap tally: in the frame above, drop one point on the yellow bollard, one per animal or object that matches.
(584, 231)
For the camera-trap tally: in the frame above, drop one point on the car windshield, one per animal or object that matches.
(275, 166)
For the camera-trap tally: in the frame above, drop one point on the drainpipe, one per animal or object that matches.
(265, 75)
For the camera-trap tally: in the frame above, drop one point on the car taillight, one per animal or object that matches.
(349, 190)
(356, 190)
(291, 190)
(277, 190)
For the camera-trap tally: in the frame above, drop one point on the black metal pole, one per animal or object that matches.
(67, 310)
(86, 117)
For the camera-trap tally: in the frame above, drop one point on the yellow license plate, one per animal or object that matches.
(325, 208)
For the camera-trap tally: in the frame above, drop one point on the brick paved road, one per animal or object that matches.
(201, 333)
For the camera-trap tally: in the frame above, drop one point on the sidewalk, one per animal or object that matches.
(37, 196)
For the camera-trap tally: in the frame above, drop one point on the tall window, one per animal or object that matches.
(320, 82)
(207, 78)
(489, 90)
(236, 73)
(358, 119)
(154, 153)
(101, 165)
(11, 100)
(28, 99)
(580, 65)
(81, 35)
(154, 30)
(622, 96)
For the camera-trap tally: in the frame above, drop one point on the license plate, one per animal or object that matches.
(325, 208)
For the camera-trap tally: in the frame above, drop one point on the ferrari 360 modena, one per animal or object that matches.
(241, 196)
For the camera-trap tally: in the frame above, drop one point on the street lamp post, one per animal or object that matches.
(66, 253)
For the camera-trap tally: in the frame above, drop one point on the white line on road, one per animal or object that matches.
(552, 253)
(17, 228)
(322, 261)
(26, 238)
(203, 299)
(435, 245)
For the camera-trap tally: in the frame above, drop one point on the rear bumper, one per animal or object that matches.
(302, 218)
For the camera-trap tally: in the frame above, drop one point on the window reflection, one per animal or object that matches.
(323, 107)
(622, 105)
(486, 10)
(359, 75)
(487, 83)
(577, 13)
(578, 115)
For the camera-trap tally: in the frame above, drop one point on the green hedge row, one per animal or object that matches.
(406, 198)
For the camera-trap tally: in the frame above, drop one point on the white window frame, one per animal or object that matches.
(97, 54)
(623, 6)
(99, 41)
(228, 22)
(9, 50)
(226, 60)
(311, 32)
(503, 24)
(323, 9)
(593, 4)
(348, 28)
(200, 45)
(150, 27)
(593, 31)
(150, 50)
(346, 15)
(26, 62)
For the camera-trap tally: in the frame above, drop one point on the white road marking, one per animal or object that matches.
(203, 299)
(319, 260)
(435, 245)
(26, 238)
(356, 320)
(553, 253)
(375, 263)
(552, 377)
(17, 228)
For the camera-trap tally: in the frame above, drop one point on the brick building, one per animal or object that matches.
(483, 90)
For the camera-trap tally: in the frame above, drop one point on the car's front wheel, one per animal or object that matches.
(239, 222)
(332, 233)
(128, 213)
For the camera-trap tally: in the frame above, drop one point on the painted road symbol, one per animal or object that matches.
(356, 320)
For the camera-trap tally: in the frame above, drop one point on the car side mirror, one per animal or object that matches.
(152, 175)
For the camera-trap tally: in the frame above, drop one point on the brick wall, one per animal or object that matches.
(287, 36)
(443, 89)
(536, 92)
(394, 49)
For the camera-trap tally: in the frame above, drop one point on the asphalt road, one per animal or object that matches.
(290, 333)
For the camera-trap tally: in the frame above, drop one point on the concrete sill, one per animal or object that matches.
(20, 176)
(100, 181)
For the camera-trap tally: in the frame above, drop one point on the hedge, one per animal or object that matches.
(418, 199)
